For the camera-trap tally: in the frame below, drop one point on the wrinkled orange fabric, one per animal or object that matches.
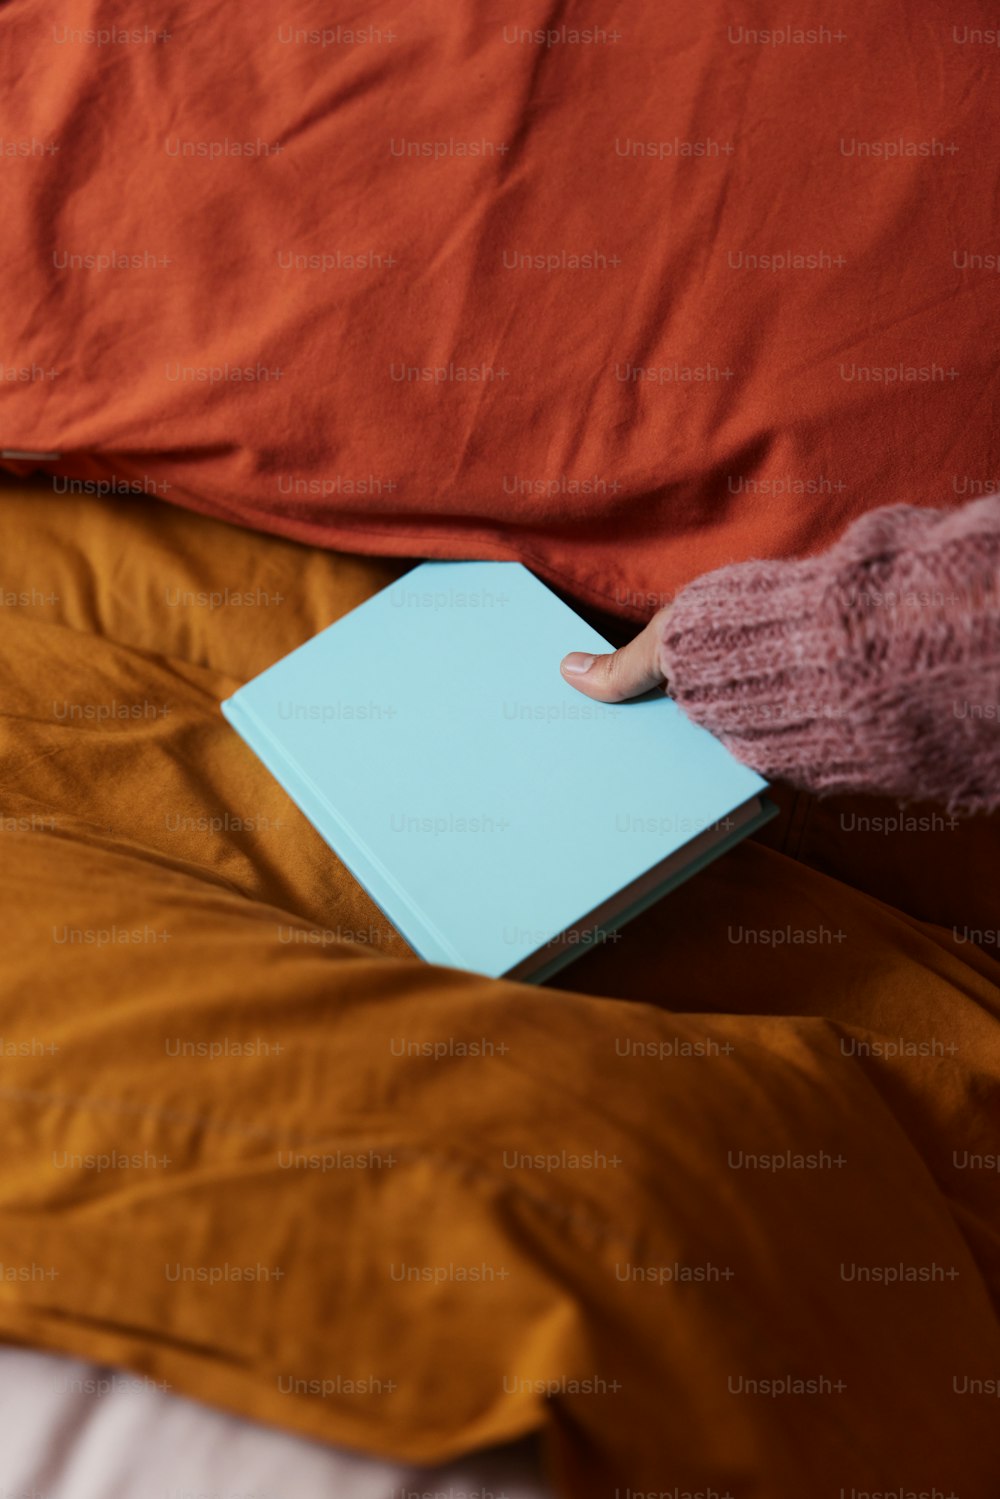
(619, 1307)
(723, 275)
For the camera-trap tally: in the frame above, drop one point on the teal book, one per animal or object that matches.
(502, 821)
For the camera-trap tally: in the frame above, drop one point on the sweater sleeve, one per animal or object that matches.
(874, 667)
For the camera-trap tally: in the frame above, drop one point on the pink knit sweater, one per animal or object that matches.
(873, 667)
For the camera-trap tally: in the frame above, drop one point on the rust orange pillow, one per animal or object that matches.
(625, 294)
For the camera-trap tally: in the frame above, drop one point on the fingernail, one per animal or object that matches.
(576, 663)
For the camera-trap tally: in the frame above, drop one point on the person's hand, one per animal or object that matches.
(635, 669)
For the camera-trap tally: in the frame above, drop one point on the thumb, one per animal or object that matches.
(622, 674)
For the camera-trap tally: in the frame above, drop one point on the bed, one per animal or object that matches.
(78, 1431)
(623, 294)
(627, 1219)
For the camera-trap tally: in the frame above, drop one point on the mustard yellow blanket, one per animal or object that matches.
(722, 1210)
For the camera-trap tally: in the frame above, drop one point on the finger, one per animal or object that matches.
(622, 674)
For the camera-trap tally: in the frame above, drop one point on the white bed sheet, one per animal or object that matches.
(72, 1430)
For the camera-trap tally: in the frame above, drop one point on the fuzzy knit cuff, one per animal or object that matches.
(873, 667)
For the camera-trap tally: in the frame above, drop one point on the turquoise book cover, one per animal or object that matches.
(502, 821)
